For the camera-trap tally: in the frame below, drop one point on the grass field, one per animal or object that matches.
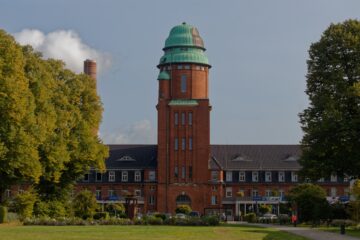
(8, 232)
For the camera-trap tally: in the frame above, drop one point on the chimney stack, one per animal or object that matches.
(90, 68)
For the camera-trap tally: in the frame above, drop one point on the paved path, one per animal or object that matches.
(306, 232)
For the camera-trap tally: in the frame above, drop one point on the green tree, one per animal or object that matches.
(310, 201)
(85, 204)
(263, 208)
(19, 158)
(23, 204)
(331, 124)
(185, 209)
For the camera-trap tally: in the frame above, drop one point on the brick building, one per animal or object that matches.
(183, 168)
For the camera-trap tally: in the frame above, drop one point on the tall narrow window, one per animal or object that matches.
(176, 144)
(152, 176)
(267, 176)
(124, 176)
(176, 118)
(176, 171)
(281, 177)
(190, 118)
(190, 172)
(255, 176)
(98, 177)
(241, 176)
(183, 172)
(137, 176)
(183, 120)
(111, 176)
(190, 143)
(183, 83)
(183, 143)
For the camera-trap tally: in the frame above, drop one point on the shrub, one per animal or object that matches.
(250, 217)
(152, 220)
(161, 215)
(3, 214)
(263, 208)
(284, 219)
(23, 204)
(101, 215)
(116, 209)
(339, 222)
(211, 220)
(85, 204)
(185, 209)
(53, 209)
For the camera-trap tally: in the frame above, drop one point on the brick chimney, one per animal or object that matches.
(90, 68)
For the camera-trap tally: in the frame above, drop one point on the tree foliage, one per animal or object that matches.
(185, 209)
(84, 204)
(310, 201)
(23, 204)
(331, 124)
(48, 123)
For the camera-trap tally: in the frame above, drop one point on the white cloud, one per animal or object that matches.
(65, 45)
(140, 132)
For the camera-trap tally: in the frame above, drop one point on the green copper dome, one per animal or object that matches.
(184, 35)
(164, 75)
(184, 45)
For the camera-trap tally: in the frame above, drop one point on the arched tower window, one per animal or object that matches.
(183, 200)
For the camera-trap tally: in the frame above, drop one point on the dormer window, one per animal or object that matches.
(125, 159)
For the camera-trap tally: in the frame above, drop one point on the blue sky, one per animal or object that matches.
(258, 50)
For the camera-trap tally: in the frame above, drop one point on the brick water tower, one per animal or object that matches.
(183, 122)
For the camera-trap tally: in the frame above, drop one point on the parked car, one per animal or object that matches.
(180, 215)
(268, 216)
(194, 214)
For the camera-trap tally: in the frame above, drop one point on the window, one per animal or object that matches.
(183, 143)
(137, 176)
(268, 193)
(281, 177)
(213, 200)
(183, 83)
(152, 175)
(214, 188)
(7, 193)
(190, 172)
(229, 176)
(202, 69)
(346, 179)
(152, 200)
(333, 178)
(176, 171)
(228, 192)
(176, 118)
(190, 118)
(152, 188)
(281, 193)
(241, 176)
(254, 193)
(214, 175)
(190, 143)
(111, 176)
(267, 176)
(255, 176)
(176, 144)
(321, 179)
(183, 120)
(183, 172)
(137, 192)
(294, 176)
(86, 177)
(187, 67)
(111, 193)
(197, 67)
(333, 192)
(124, 176)
(179, 67)
(98, 177)
(98, 194)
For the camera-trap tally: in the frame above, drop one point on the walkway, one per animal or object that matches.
(305, 232)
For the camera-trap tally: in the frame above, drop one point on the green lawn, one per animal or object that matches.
(348, 231)
(142, 232)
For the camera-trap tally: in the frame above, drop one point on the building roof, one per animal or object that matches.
(184, 35)
(132, 156)
(184, 45)
(256, 157)
(163, 75)
(225, 157)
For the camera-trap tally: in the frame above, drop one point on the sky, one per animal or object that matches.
(257, 49)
